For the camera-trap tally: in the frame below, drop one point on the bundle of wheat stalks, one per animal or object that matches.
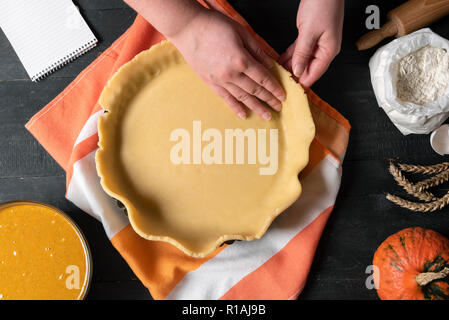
(439, 174)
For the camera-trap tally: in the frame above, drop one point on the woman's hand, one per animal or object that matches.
(231, 62)
(320, 24)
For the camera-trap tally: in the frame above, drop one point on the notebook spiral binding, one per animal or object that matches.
(64, 60)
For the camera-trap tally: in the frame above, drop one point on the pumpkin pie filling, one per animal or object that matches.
(42, 254)
(187, 169)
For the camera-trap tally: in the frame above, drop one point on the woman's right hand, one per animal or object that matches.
(231, 62)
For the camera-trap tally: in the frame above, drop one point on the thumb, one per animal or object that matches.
(303, 53)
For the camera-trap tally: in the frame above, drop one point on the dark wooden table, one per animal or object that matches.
(362, 217)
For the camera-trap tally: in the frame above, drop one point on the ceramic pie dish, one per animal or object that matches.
(187, 169)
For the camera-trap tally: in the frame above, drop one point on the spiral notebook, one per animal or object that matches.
(45, 34)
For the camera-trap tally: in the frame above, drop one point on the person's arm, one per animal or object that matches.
(220, 51)
(169, 17)
(320, 24)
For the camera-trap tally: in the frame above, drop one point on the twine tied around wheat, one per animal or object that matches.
(418, 190)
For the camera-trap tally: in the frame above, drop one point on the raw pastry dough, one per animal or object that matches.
(195, 207)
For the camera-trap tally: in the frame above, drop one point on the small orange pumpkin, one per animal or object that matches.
(413, 264)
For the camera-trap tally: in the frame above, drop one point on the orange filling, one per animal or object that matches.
(42, 254)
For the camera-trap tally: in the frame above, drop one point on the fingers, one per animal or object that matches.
(316, 60)
(235, 105)
(315, 70)
(258, 72)
(265, 79)
(238, 87)
(254, 89)
(287, 55)
(288, 65)
(249, 100)
(320, 63)
(246, 80)
(303, 52)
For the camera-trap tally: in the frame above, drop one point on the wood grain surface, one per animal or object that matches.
(362, 217)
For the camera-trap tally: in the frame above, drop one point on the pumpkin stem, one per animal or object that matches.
(425, 278)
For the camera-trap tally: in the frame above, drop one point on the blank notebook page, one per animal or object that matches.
(46, 34)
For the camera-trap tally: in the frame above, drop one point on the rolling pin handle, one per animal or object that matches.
(372, 38)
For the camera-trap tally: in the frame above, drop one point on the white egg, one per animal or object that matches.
(439, 140)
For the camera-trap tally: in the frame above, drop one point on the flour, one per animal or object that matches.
(423, 75)
(410, 78)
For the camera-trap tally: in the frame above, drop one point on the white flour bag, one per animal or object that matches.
(410, 78)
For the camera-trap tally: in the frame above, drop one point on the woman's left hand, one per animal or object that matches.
(320, 24)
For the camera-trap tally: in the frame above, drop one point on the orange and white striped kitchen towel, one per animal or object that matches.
(274, 267)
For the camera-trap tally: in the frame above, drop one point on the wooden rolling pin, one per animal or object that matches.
(409, 17)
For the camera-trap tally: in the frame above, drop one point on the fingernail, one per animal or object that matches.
(297, 71)
(242, 114)
(266, 115)
(277, 107)
(281, 97)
